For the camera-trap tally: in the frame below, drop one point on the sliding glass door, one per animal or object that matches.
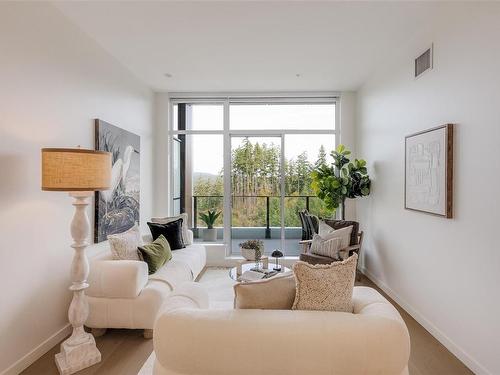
(302, 152)
(256, 179)
(249, 159)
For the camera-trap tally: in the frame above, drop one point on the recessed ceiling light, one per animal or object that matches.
(168, 75)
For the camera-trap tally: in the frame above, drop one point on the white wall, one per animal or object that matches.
(348, 138)
(162, 155)
(444, 272)
(54, 80)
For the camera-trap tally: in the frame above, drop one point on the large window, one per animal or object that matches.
(250, 159)
(201, 116)
(282, 116)
(198, 177)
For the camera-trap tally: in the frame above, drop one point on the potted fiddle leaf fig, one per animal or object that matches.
(335, 182)
(209, 218)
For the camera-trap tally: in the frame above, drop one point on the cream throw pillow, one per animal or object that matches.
(325, 287)
(124, 245)
(324, 228)
(276, 293)
(328, 248)
(343, 233)
(165, 220)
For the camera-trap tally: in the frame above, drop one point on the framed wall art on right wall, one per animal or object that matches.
(429, 171)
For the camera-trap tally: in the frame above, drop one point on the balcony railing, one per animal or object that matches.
(267, 198)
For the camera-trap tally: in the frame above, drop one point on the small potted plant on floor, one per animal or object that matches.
(252, 249)
(209, 218)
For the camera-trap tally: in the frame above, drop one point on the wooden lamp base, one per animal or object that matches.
(73, 358)
(79, 351)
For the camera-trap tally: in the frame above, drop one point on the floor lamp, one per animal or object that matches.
(79, 172)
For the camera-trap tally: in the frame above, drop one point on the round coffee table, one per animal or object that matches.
(233, 274)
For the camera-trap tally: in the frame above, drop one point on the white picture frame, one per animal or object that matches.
(429, 171)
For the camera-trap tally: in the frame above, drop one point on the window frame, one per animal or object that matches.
(241, 98)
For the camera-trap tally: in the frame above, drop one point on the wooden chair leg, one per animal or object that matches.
(148, 334)
(305, 247)
(98, 332)
(358, 275)
(358, 272)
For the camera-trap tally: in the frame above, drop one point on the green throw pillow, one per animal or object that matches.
(156, 254)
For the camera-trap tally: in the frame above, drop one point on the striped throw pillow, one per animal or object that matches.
(343, 233)
(326, 247)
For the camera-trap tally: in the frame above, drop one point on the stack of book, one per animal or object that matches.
(257, 274)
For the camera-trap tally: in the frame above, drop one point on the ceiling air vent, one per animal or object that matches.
(423, 63)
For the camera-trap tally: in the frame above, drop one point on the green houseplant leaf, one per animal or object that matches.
(210, 217)
(340, 180)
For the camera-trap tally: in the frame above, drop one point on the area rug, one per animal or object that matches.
(220, 291)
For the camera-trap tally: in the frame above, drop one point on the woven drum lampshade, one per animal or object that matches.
(75, 169)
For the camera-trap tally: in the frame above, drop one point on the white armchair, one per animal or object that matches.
(117, 279)
(122, 294)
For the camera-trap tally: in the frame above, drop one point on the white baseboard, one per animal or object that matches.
(466, 359)
(37, 352)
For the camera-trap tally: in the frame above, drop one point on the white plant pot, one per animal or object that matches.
(248, 254)
(210, 235)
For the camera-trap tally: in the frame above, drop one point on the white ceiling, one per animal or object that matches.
(250, 46)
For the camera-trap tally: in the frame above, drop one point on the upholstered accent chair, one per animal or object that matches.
(354, 245)
(310, 224)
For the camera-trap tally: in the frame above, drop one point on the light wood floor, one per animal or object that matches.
(125, 351)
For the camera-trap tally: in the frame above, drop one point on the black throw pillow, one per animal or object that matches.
(171, 231)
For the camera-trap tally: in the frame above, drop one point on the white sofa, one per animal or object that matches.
(190, 339)
(122, 294)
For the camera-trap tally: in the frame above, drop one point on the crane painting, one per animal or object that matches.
(117, 209)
